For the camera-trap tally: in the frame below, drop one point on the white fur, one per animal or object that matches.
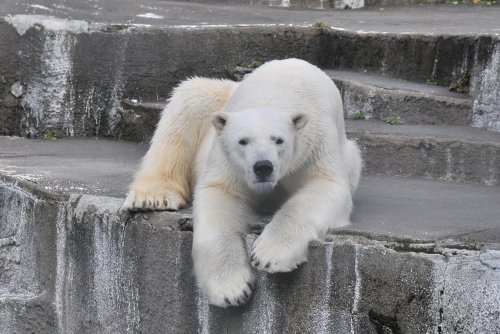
(287, 114)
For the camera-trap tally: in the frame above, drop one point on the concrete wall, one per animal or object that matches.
(89, 267)
(52, 78)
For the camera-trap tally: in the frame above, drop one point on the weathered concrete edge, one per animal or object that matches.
(413, 107)
(32, 188)
(107, 244)
(138, 67)
(432, 157)
(80, 26)
(450, 160)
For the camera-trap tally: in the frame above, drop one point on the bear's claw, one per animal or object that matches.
(153, 200)
(234, 290)
(277, 256)
(238, 300)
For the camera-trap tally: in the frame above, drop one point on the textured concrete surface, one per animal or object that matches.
(27, 260)
(52, 80)
(446, 153)
(117, 272)
(84, 166)
(393, 207)
(441, 19)
(452, 154)
(380, 97)
(419, 257)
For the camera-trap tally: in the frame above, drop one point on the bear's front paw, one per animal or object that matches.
(275, 253)
(232, 290)
(156, 199)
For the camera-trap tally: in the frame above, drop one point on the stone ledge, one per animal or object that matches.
(378, 97)
(444, 153)
(118, 272)
(64, 81)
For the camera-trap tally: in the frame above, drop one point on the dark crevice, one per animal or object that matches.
(383, 322)
(186, 224)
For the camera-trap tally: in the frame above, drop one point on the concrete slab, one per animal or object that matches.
(436, 19)
(79, 166)
(384, 206)
(444, 153)
(380, 97)
(52, 80)
(114, 272)
(389, 83)
(464, 133)
(426, 210)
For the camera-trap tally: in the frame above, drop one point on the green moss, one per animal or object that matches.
(432, 81)
(462, 84)
(358, 115)
(474, 2)
(49, 135)
(394, 120)
(253, 64)
(321, 25)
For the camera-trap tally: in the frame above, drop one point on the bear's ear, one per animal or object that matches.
(219, 120)
(299, 120)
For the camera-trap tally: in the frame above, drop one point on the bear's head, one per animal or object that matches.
(260, 142)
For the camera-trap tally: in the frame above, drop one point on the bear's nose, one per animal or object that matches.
(263, 168)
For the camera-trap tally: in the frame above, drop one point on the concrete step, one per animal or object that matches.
(319, 4)
(446, 153)
(52, 80)
(107, 167)
(420, 256)
(380, 97)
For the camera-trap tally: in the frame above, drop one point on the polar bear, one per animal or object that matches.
(274, 143)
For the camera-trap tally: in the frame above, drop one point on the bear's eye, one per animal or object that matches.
(243, 142)
(279, 141)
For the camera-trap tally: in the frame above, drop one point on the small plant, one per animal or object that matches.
(358, 115)
(253, 64)
(238, 72)
(473, 2)
(394, 120)
(484, 128)
(321, 25)
(461, 85)
(49, 135)
(433, 81)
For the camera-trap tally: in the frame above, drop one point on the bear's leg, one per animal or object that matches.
(220, 258)
(167, 174)
(307, 215)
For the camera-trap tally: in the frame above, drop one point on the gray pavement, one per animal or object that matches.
(435, 19)
(383, 206)
(83, 165)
